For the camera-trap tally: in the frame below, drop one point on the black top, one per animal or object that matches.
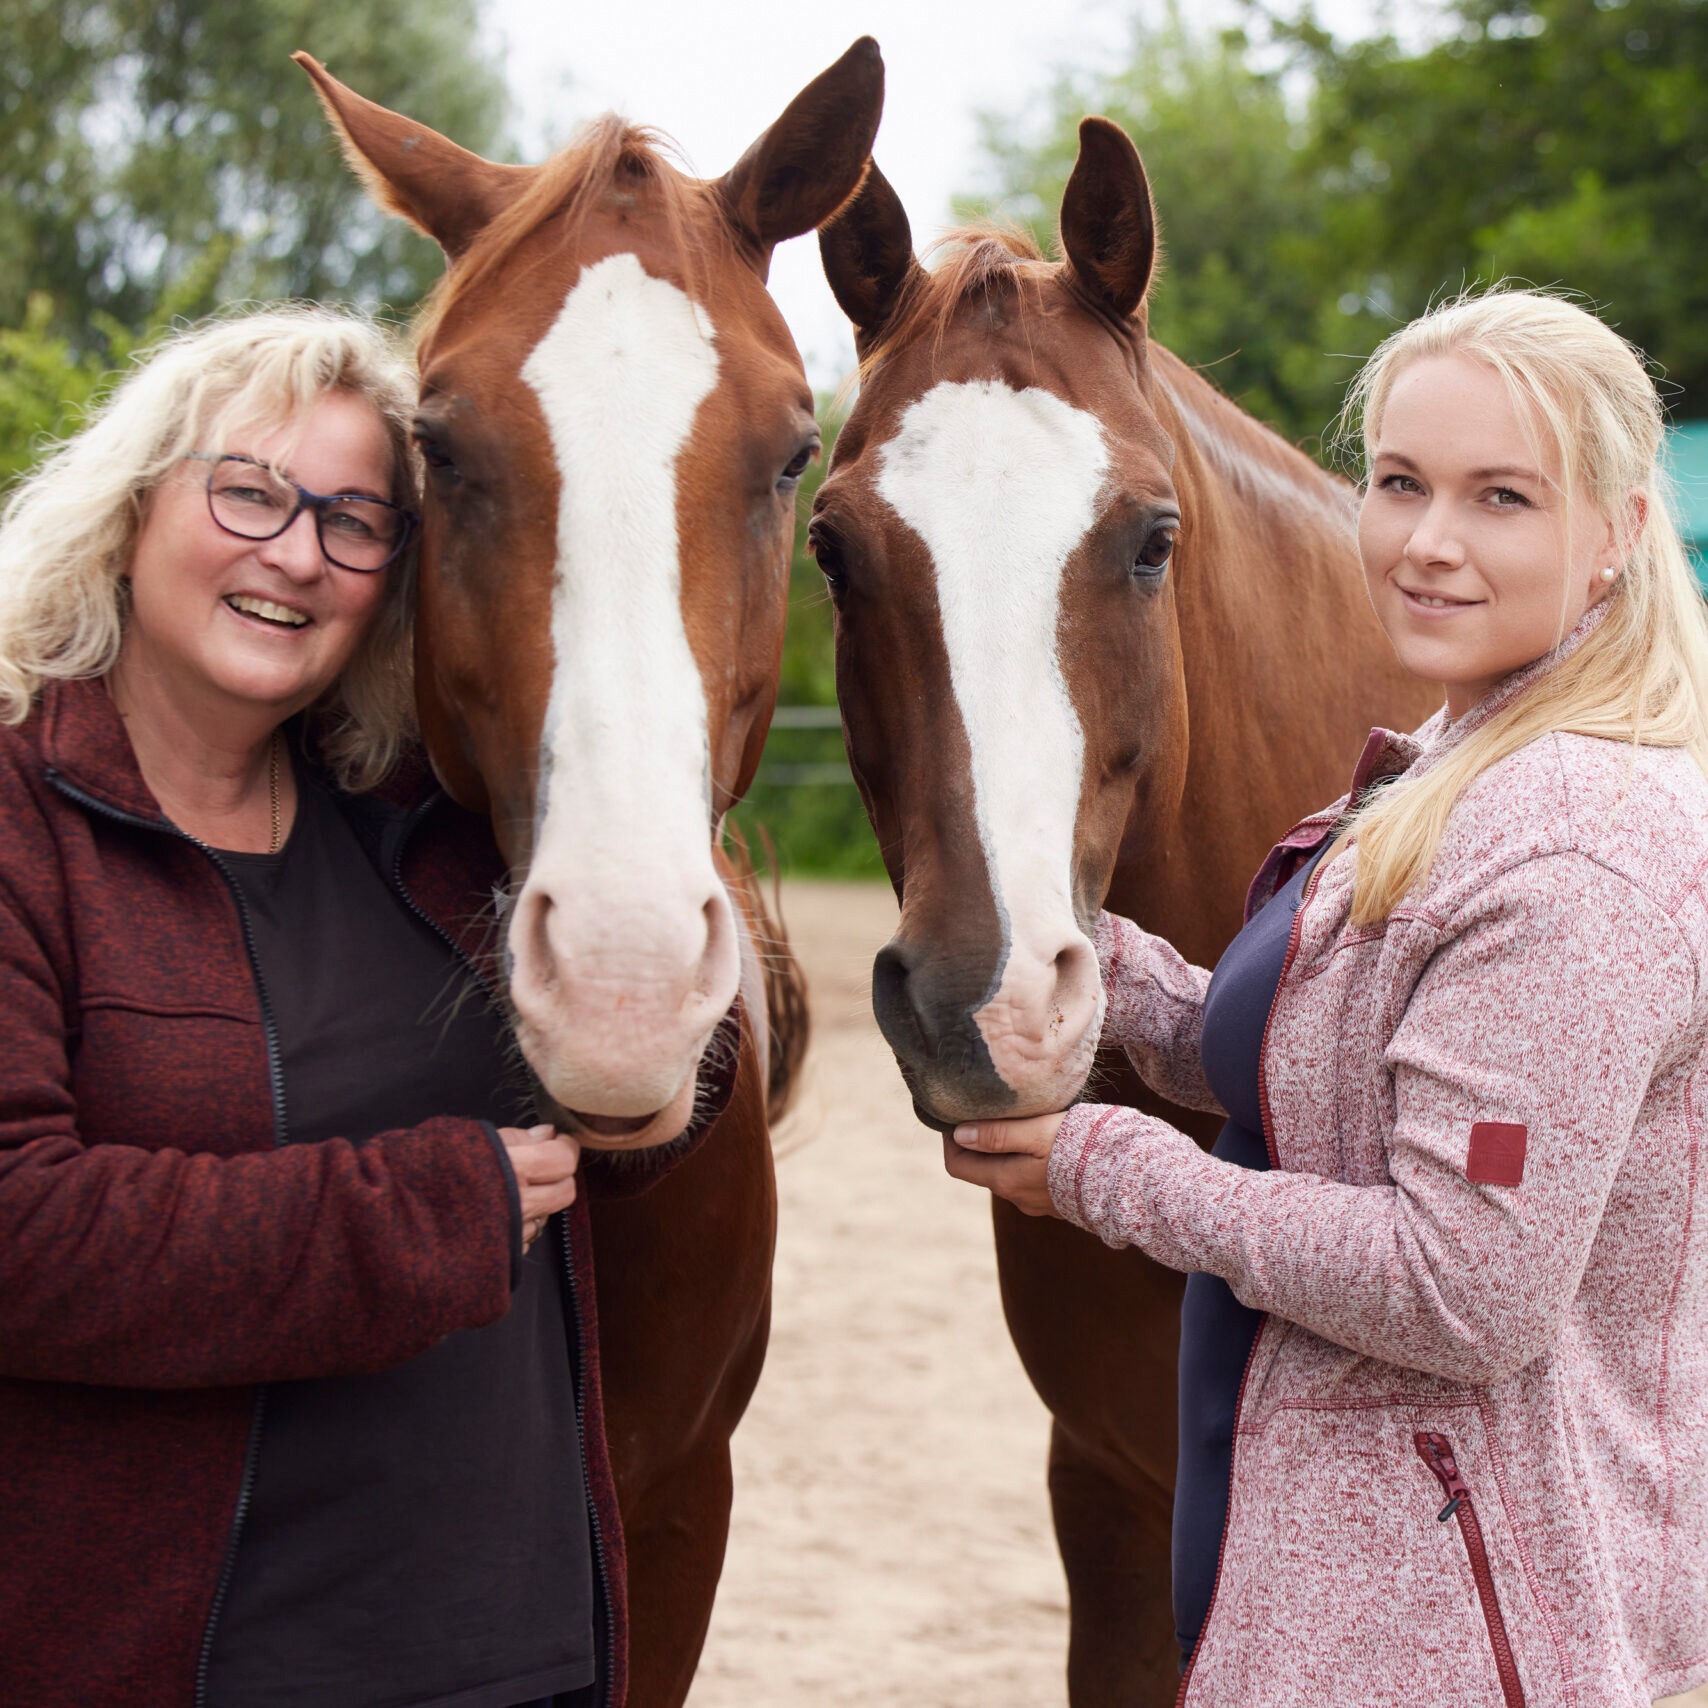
(417, 1538)
(1216, 1331)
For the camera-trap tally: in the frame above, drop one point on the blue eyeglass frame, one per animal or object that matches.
(317, 502)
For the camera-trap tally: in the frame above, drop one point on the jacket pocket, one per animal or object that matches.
(1436, 1451)
(1337, 1586)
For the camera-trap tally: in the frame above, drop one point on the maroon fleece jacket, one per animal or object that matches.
(161, 1253)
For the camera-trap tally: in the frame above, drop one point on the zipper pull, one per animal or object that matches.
(1436, 1451)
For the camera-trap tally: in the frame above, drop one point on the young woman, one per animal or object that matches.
(298, 1396)
(1444, 1363)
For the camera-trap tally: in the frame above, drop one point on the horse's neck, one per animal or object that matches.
(1285, 666)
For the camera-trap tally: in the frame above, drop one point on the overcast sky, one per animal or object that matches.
(715, 74)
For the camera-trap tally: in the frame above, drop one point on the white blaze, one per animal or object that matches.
(622, 866)
(1001, 485)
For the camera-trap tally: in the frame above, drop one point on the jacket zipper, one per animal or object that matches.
(276, 1079)
(607, 1633)
(1436, 1451)
(1293, 937)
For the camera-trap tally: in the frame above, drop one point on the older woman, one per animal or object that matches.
(297, 1397)
(1444, 1361)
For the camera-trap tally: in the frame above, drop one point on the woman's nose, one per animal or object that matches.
(1435, 541)
(295, 549)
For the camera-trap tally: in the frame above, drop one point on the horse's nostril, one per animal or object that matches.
(892, 997)
(1075, 965)
(889, 976)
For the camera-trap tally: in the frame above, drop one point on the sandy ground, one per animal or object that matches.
(891, 1539)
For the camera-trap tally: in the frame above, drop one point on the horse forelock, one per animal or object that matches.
(608, 157)
(973, 260)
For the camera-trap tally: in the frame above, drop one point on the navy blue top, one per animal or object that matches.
(416, 1537)
(1216, 1330)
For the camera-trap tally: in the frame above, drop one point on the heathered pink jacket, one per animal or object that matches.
(1471, 1458)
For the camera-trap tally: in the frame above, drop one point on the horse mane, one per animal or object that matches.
(787, 1015)
(986, 258)
(608, 157)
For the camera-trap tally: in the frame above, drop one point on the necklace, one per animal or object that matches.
(273, 790)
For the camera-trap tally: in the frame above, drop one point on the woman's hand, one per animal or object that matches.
(544, 1161)
(1011, 1158)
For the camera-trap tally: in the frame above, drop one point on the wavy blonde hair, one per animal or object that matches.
(1642, 675)
(67, 533)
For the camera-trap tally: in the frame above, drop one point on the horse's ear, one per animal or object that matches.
(1108, 222)
(447, 192)
(811, 160)
(868, 256)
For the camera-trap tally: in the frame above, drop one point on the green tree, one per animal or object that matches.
(1240, 289)
(1559, 141)
(1315, 193)
(44, 385)
(139, 136)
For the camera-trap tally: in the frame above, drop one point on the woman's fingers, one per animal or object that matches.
(1009, 1158)
(1031, 1134)
(544, 1162)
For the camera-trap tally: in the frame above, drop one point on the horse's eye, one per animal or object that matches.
(827, 552)
(432, 449)
(1156, 551)
(796, 466)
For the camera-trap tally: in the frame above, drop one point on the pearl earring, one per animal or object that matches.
(1610, 573)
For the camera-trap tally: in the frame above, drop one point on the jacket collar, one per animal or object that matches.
(83, 740)
(1388, 754)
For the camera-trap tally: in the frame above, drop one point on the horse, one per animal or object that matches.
(1100, 638)
(614, 420)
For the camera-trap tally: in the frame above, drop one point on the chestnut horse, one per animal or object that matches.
(1099, 635)
(614, 421)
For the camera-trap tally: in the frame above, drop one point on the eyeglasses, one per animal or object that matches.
(255, 502)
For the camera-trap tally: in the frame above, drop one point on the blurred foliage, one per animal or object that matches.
(1559, 141)
(45, 385)
(1240, 288)
(139, 137)
(1314, 194)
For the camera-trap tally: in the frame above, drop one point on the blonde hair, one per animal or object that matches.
(1642, 675)
(67, 533)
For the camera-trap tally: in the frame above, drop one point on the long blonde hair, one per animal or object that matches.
(67, 533)
(1642, 675)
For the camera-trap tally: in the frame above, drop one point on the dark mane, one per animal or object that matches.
(988, 258)
(607, 157)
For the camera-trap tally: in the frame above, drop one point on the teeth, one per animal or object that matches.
(267, 610)
(1430, 599)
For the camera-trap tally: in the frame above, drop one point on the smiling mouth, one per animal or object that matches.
(264, 610)
(1435, 601)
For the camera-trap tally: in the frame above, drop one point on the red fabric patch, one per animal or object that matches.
(1497, 1154)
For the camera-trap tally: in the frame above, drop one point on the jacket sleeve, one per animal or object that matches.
(166, 1268)
(1549, 1004)
(1154, 1011)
